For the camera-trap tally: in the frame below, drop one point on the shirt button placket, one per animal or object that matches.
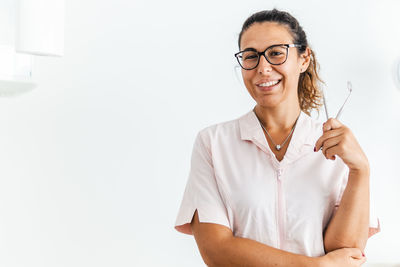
(281, 210)
(279, 173)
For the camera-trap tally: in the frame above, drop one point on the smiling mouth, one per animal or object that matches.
(268, 85)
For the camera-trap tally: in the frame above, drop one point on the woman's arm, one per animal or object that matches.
(350, 225)
(219, 248)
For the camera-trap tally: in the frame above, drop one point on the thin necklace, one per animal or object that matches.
(278, 147)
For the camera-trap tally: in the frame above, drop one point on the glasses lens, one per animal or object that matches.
(276, 54)
(248, 59)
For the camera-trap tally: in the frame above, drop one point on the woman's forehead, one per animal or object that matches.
(262, 35)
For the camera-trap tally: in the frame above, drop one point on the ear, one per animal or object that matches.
(305, 59)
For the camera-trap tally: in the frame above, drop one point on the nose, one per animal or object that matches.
(264, 66)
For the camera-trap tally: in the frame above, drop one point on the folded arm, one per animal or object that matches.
(219, 248)
(350, 225)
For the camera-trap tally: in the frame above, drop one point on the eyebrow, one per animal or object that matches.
(249, 49)
(255, 50)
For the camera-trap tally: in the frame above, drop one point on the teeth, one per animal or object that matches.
(269, 83)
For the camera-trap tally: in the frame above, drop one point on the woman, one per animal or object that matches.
(274, 187)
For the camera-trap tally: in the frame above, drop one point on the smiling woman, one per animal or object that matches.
(277, 54)
(260, 192)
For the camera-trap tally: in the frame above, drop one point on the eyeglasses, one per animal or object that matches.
(275, 54)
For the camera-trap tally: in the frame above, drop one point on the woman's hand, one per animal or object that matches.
(344, 257)
(337, 139)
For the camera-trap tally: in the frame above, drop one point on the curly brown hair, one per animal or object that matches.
(309, 92)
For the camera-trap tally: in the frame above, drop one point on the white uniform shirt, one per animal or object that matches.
(236, 181)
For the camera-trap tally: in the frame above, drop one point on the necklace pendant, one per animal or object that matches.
(278, 147)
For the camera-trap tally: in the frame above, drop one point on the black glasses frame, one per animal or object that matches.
(238, 56)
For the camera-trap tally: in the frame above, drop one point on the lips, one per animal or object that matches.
(267, 85)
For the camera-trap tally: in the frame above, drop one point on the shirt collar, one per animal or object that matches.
(302, 139)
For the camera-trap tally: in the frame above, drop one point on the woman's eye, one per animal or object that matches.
(250, 57)
(275, 53)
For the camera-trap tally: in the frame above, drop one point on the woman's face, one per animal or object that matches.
(260, 36)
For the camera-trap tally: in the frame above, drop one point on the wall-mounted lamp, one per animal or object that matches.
(35, 28)
(40, 27)
(396, 72)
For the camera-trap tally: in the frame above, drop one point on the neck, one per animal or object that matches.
(277, 119)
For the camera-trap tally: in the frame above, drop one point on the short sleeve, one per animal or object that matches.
(374, 224)
(202, 191)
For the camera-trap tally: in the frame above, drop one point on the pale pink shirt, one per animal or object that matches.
(236, 181)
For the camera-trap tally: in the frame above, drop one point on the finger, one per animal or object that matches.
(325, 136)
(355, 253)
(332, 152)
(363, 260)
(358, 262)
(331, 124)
(329, 144)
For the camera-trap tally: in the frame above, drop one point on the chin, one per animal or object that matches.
(268, 100)
(267, 104)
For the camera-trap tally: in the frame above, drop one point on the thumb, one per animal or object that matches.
(359, 262)
(331, 124)
(355, 253)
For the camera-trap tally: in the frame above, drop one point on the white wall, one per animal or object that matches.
(95, 160)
